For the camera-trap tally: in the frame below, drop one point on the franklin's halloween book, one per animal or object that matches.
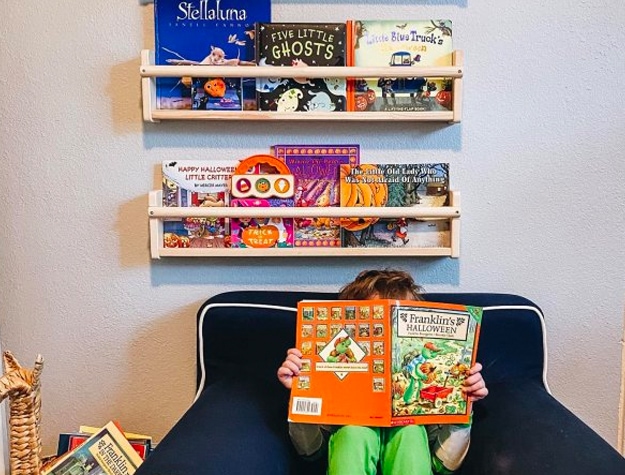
(395, 185)
(106, 451)
(194, 183)
(302, 45)
(401, 44)
(68, 441)
(316, 172)
(207, 32)
(383, 362)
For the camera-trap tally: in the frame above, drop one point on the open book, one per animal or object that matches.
(383, 362)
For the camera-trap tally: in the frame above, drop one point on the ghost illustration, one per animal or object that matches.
(289, 101)
(268, 84)
(320, 102)
(335, 85)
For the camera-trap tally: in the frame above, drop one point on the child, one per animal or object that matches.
(407, 450)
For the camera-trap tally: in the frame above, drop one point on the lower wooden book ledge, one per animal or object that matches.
(157, 213)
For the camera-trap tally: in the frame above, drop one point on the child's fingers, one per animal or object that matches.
(475, 389)
(476, 368)
(292, 366)
(294, 351)
(473, 379)
(478, 394)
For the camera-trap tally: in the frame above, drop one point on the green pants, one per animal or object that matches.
(355, 450)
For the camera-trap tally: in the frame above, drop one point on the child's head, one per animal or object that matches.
(384, 284)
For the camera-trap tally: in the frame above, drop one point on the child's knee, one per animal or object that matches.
(354, 450)
(412, 434)
(357, 435)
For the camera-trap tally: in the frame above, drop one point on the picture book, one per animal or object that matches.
(395, 185)
(302, 45)
(68, 441)
(401, 44)
(261, 232)
(316, 172)
(383, 362)
(207, 32)
(107, 451)
(196, 183)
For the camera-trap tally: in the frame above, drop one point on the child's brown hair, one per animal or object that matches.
(384, 284)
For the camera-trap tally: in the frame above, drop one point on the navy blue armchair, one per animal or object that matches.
(237, 424)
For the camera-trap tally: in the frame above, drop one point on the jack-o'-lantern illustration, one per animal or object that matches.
(365, 189)
(215, 87)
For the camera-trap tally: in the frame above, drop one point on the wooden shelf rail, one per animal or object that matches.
(157, 213)
(149, 71)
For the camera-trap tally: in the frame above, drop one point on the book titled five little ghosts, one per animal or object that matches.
(301, 45)
(383, 362)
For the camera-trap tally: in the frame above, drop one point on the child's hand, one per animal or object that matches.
(290, 367)
(474, 385)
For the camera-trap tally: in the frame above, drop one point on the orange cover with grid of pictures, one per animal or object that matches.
(383, 362)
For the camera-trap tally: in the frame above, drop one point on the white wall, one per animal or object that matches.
(538, 159)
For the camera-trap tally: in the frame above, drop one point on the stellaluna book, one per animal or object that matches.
(383, 362)
(212, 33)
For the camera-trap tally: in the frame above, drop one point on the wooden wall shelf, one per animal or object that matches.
(157, 213)
(149, 72)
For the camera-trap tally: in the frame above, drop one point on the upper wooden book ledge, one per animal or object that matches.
(149, 72)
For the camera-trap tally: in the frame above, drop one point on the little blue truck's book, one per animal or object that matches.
(401, 44)
(212, 33)
(383, 362)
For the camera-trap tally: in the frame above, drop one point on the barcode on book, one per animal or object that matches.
(306, 405)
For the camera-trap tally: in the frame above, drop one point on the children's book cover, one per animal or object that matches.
(106, 451)
(207, 32)
(395, 185)
(68, 441)
(196, 183)
(261, 232)
(383, 362)
(402, 44)
(316, 172)
(302, 45)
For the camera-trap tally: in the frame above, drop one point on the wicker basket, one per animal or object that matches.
(23, 388)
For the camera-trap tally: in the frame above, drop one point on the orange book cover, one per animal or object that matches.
(383, 362)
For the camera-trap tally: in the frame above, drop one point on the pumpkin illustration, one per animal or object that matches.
(264, 236)
(261, 164)
(366, 189)
(215, 87)
(361, 103)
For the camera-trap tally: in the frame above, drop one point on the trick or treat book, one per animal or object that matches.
(395, 185)
(207, 32)
(193, 183)
(261, 232)
(302, 45)
(383, 362)
(401, 44)
(316, 172)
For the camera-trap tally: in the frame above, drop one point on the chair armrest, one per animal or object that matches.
(235, 427)
(521, 429)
